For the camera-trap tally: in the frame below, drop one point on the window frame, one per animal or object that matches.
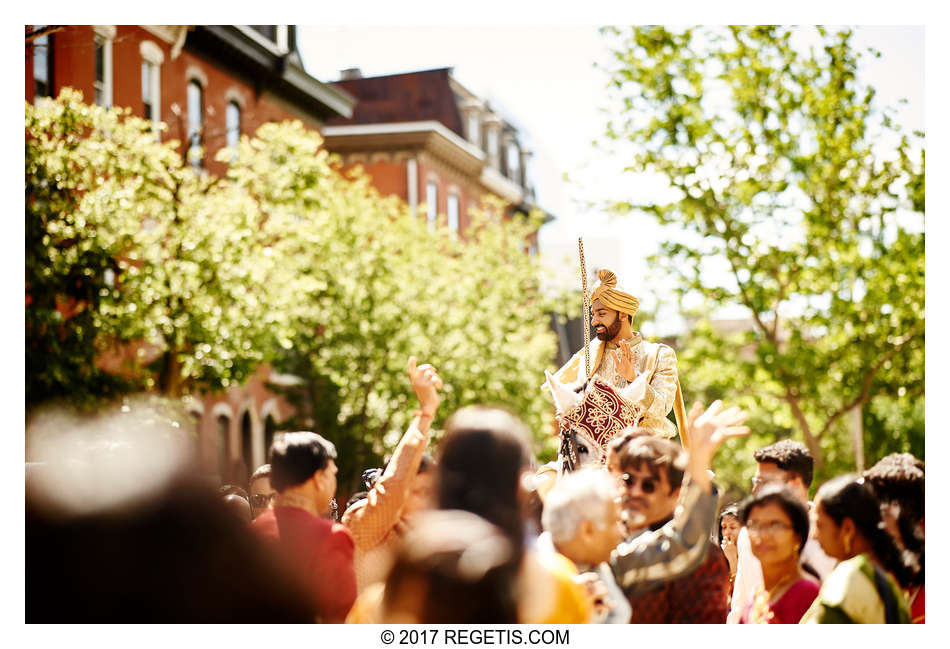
(432, 199)
(43, 43)
(453, 219)
(103, 35)
(195, 135)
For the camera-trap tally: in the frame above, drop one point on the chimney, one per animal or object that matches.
(351, 73)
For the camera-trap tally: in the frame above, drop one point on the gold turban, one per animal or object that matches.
(612, 297)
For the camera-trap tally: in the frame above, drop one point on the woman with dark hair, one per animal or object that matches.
(729, 526)
(859, 590)
(778, 529)
(451, 567)
(484, 461)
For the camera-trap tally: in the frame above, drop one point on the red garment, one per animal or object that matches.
(318, 550)
(916, 599)
(700, 597)
(791, 606)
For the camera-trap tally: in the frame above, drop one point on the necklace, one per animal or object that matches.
(776, 590)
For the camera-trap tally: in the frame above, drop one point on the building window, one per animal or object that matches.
(474, 132)
(103, 82)
(513, 162)
(149, 73)
(42, 66)
(493, 142)
(453, 212)
(267, 31)
(247, 459)
(232, 119)
(195, 123)
(223, 446)
(431, 196)
(152, 58)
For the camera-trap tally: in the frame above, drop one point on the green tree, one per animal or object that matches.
(134, 255)
(792, 196)
(368, 285)
(284, 259)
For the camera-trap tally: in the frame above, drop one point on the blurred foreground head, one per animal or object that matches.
(482, 458)
(451, 567)
(121, 527)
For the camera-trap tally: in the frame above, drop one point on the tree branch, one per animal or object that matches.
(865, 393)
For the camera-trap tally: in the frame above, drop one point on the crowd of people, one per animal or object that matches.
(477, 532)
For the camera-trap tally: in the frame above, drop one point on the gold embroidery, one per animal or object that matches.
(602, 414)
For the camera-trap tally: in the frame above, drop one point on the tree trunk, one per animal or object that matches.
(857, 436)
(810, 440)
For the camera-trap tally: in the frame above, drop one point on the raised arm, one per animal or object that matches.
(370, 522)
(679, 547)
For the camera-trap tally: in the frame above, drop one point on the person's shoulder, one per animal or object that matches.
(266, 524)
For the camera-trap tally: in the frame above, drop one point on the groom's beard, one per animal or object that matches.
(610, 332)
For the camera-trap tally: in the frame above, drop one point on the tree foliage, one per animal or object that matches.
(791, 196)
(284, 260)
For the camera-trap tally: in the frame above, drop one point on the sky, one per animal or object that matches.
(544, 79)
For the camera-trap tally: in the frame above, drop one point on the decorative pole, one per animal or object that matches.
(586, 315)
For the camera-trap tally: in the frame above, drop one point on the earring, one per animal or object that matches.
(847, 545)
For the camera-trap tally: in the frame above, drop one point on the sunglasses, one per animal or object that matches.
(647, 485)
(262, 500)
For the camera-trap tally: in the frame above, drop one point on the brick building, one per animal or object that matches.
(209, 84)
(424, 137)
(420, 136)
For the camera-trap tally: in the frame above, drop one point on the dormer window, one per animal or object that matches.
(474, 129)
(273, 34)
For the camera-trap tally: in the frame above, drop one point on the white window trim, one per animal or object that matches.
(283, 38)
(195, 75)
(453, 227)
(227, 126)
(107, 34)
(432, 205)
(152, 55)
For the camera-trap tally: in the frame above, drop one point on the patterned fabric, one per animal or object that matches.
(601, 415)
(700, 597)
(652, 394)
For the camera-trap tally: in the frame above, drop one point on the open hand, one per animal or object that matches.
(426, 384)
(707, 431)
(623, 361)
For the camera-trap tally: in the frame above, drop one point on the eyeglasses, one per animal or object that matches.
(262, 500)
(775, 527)
(761, 482)
(647, 485)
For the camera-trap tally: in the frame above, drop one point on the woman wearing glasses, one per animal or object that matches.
(777, 523)
(859, 590)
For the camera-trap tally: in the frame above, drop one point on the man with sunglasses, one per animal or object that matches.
(262, 493)
(649, 472)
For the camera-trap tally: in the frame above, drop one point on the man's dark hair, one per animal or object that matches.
(781, 496)
(789, 456)
(426, 464)
(295, 457)
(636, 451)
